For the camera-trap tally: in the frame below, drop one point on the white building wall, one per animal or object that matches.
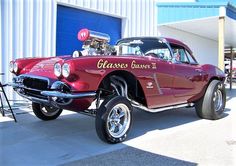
(28, 27)
(205, 50)
(27, 30)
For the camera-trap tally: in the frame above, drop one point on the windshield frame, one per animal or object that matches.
(161, 41)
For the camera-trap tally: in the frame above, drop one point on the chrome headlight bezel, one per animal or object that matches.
(11, 67)
(15, 67)
(57, 69)
(75, 54)
(66, 70)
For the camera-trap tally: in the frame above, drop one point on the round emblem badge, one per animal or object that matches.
(83, 34)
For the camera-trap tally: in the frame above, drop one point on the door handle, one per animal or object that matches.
(198, 70)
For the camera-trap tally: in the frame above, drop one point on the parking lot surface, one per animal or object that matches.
(174, 137)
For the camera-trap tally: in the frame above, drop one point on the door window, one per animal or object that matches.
(160, 53)
(180, 56)
(191, 58)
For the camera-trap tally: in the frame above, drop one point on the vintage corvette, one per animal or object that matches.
(153, 74)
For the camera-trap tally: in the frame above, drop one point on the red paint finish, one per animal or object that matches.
(163, 82)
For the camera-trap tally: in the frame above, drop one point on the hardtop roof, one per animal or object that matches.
(168, 40)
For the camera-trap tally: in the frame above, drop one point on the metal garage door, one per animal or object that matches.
(71, 20)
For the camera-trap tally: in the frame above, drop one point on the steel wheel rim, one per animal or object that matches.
(50, 111)
(118, 120)
(218, 100)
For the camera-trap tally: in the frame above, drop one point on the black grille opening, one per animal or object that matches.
(35, 83)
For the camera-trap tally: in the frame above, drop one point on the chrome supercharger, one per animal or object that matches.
(94, 43)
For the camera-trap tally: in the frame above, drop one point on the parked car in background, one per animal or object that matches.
(150, 73)
(227, 70)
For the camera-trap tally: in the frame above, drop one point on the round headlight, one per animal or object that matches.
(66, 70)
(11, 67)
(57, 69)
(15, 67)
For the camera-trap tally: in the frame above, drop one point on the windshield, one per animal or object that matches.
(143, 47)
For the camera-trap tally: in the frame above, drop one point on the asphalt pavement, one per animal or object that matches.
(174, 137)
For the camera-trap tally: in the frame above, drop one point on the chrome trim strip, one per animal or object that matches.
(157, 84)
(154, 110)
(67, 95)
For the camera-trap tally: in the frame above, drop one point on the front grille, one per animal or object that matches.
(35, 83)
(31, 86)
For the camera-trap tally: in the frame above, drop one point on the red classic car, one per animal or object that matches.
(153, 74)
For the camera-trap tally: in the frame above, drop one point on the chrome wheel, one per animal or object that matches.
(50, 111)
(218, 100)
(114, 119)
(45, 112)
(118, 120)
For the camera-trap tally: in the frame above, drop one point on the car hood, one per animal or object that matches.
(45, 68)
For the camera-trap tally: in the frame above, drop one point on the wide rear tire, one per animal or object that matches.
(212, 104)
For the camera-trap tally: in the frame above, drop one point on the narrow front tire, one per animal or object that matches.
(46, 112)
(114, 119)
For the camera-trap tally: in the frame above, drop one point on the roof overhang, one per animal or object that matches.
(208, 28)
(200, 18)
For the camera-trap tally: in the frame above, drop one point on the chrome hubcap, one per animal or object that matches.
(218, 100)
(50, 111)
(118, 120)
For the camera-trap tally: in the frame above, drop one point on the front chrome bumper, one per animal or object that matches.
(67, 95)
(57, 94)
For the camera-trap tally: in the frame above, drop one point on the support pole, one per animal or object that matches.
(231, 68)
(9, 106)
(221, 42)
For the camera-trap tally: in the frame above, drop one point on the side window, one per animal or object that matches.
(191, 59)
(160, 53)
(180, 55)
